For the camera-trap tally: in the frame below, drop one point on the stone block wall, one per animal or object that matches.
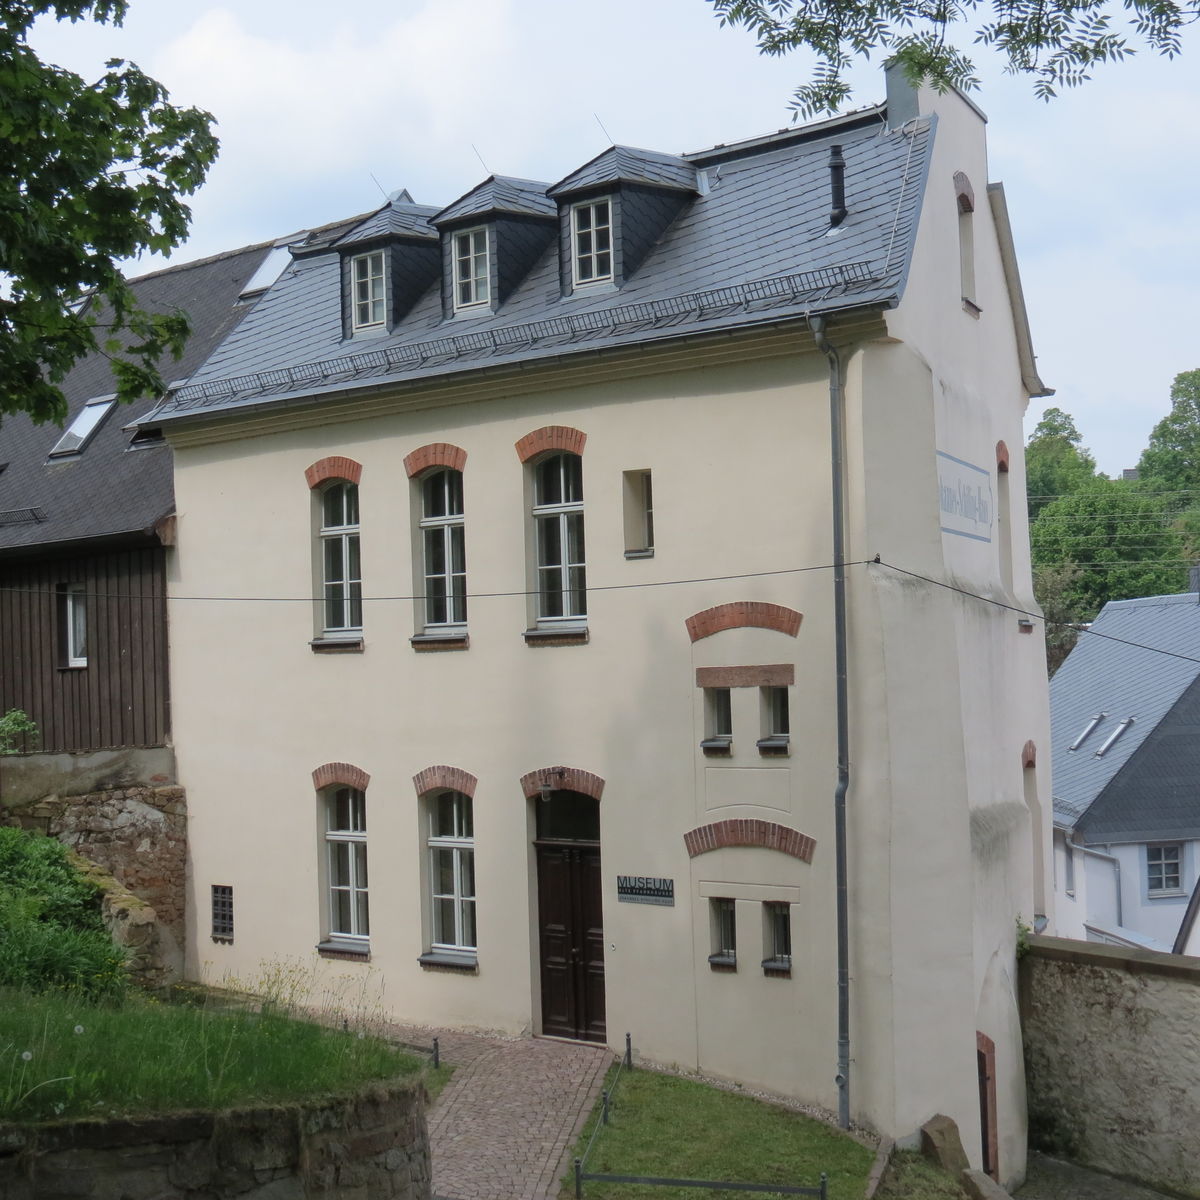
(1112, 1053)
(369, 1146)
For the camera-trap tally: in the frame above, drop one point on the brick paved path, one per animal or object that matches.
(1052, 1179)
(504, 1127)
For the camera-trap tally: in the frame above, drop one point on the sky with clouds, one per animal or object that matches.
(323, 108)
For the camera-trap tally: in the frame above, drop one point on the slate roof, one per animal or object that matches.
(109, 490)
(627, 164)
(751, 249)
(500, 193)
(1147, 785)
(398, 217)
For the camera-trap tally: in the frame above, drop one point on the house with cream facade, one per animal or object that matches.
(592, 612)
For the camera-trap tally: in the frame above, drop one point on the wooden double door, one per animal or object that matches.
(571, 919)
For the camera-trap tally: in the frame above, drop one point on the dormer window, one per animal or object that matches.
(471, 268)
(368, 280)
(591, 242)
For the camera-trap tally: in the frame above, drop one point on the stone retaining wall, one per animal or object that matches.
(1112, 1054)
(370, 1146)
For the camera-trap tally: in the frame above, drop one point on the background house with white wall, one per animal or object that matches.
(524, 543)
(1125, 707)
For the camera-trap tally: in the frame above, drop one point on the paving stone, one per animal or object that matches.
(1052, 1179)
(504, 1127)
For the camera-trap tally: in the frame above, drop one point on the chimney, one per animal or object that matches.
(837, 185)
(903, 104)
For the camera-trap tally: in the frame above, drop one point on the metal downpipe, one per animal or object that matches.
(837, 474)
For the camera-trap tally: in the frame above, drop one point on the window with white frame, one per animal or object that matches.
(87, 420)
(368, 281)
(444, 551)
(558, 530)
(75, 625)
(723, 928)
(777, 937)
(591, 241)
(341, 568)
(639, 514)
(452, 873)
(1163, 873)
(346, 865)
(471, 286)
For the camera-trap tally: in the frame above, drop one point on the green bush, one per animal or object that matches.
(51, 931)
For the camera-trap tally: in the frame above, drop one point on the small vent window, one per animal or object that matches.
(86, 422)
(1087, 730)
(1112, 737)
(222, 913)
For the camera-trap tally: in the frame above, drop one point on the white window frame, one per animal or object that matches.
(75, 618)
(472, 287)
(1170, 882)
(561, 580)
(368, 291)
(592, 263)
(352, 838)
(444, 533)
(639, 514)
(459, 844)
(83, 427)
(345, 537)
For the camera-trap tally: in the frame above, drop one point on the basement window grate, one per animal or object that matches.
(222, 913)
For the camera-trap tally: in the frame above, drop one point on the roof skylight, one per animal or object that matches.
(269, 270)
(87, 421)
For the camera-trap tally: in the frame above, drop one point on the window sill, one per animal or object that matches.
(446, 960)
(649, 553)
(346, 951)
(549, 635)
(717, 747)
(73, 667)
(447, 639)
(773, 747)
(1166, 894)
(222, 941)
(779, 968)
(723, 962)
(352, 644)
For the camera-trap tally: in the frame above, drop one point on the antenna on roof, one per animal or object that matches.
(480, 157)
(611, 140)
(378, 184)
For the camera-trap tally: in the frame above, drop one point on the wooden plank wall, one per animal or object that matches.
(120, 698)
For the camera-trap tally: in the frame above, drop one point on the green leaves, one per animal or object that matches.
(1056, 42)
(95, 173)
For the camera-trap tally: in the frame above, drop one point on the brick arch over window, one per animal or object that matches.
(748, 832)
(436, 454)
(964, 193)
(1001, 456)
(335, 467)
(1029, 755)
(452, 779)
(558, 438)
(339, 773)
(567, 779)
(743, 613)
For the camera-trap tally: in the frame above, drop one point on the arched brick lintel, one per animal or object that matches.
(964, 193)
(436, 454)
(442, 778)
(335, 467)
(1029, 755)
(749, 832)
(340, 774)
(742, 613)
(551, 437)
(1001, 456)
(567, 779)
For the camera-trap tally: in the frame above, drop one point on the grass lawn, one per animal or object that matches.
(63, 1057)
(667, 1126)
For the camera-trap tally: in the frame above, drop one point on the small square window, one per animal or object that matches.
(368, 282)
(718, 721)
(775, 722)
(723, 924)
(1163, 874)
(222, 913)
(777, 938)
(639, 514)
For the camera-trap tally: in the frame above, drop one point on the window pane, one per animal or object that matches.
(78, 647)
(339, 864)
(548, 478)
(360, 864)
(468, 920)
(443, 922)
(454, 488)
(364, 925)
(331, 507)
(435, 551)
(466, 868)
(466, 818)
(458, 556)
(433, 490)
(549, 542)
(572, 468)
(550, 593)
(334, 563)
(574, 524)
(443, 824)
(341, 918)
(350, 499)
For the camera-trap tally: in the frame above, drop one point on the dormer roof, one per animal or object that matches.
(500, 194)
(399, 217)
(627, 164)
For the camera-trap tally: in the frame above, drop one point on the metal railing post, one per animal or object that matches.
(824, 1185)
(437, 1054)
(578, 1179)
(629, 1052)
